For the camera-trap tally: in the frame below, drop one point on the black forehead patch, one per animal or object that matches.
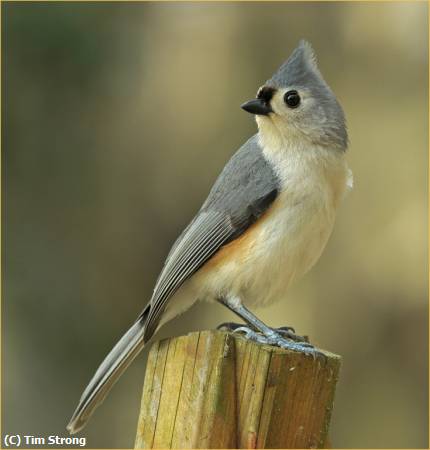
(266, 93)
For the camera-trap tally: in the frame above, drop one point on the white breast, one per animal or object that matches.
(292, 241)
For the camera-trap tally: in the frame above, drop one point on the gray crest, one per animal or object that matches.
(300, 69)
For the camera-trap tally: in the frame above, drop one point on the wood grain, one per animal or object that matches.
(214, 389)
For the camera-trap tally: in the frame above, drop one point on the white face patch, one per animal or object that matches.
(288, 125)
(279, 128)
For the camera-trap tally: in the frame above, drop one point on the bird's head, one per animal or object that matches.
(297, 105)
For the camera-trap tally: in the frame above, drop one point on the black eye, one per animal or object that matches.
(292, 99)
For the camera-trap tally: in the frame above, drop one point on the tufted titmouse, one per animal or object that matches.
(264, 224)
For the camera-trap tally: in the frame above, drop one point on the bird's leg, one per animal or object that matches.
(268, 335)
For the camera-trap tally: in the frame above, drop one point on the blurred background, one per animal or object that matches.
(117, 118)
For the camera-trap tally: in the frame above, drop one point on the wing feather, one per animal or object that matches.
(205, 235)
(242, 193)
(192, 239)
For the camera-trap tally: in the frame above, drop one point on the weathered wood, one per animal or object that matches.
(215, 389)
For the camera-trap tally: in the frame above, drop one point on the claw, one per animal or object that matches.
(289, 333)
(233, 327)
(229, 326)
(286, 329)
(251, 334)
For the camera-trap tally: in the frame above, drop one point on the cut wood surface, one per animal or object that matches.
(214, 389)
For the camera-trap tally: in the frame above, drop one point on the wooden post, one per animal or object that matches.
(214, 389)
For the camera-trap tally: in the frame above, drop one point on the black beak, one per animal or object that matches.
(257, 106)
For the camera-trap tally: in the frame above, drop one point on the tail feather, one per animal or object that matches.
(113, 366)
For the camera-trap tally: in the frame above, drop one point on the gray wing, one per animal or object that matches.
(245, 189)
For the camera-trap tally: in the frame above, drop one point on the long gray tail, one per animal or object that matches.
(108, 373)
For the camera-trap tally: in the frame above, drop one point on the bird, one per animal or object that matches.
(263, 225)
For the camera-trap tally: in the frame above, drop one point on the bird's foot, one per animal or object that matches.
(287, 332)
(276, 338)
